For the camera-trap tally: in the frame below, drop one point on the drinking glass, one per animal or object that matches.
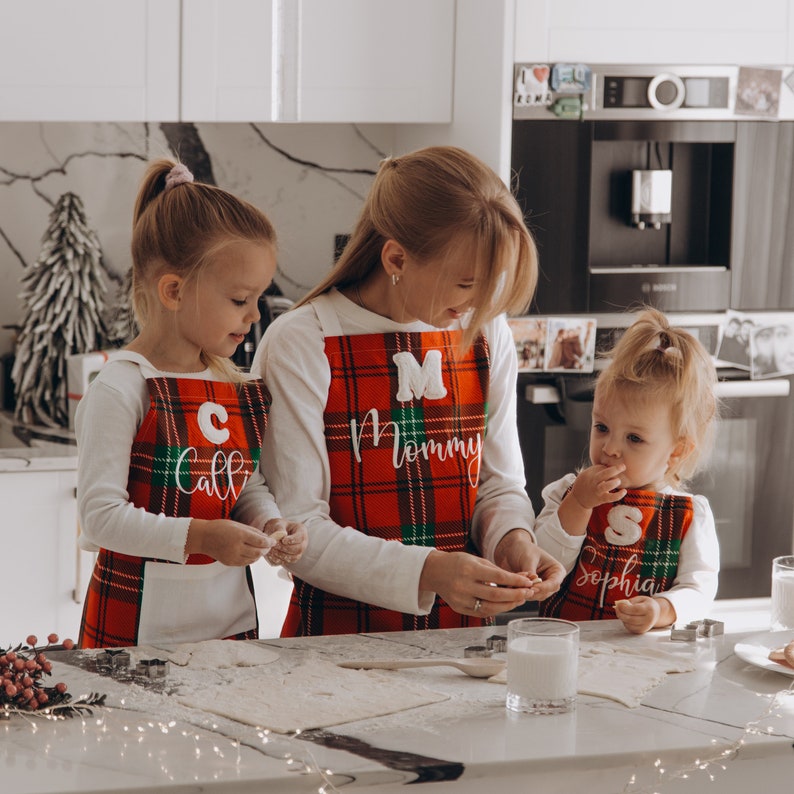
(782, 615)
(542, 664)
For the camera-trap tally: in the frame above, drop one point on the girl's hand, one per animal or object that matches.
(597, 485)
(229, 542)
(472, 585)
(643, 613)
(291, 539)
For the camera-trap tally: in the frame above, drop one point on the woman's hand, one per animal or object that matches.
(291, 539)
(516, 551)
(472, 585)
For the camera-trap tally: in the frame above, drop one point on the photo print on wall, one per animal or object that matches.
(554, 344)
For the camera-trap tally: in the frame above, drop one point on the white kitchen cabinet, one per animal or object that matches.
(317, 60)
(38, 535)
(227, 60)
(89, 60)
(643, 31)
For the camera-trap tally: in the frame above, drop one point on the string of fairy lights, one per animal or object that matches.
(712, 766)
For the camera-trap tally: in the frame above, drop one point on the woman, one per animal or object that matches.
(384, 379)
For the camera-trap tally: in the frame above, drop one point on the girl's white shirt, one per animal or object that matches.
(697, 573)
(342, 560)
(106, 423)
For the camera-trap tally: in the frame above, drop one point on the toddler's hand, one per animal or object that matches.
(639, 614)
(598, 485)
(291, 540)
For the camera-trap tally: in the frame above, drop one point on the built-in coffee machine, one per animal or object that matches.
(667, 185)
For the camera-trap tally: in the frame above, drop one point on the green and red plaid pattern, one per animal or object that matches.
(177, 471)
(403, 470)
(606, 572)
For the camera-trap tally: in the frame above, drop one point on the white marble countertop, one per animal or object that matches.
(728, 720)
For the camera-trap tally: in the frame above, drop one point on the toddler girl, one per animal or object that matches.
(636, 545)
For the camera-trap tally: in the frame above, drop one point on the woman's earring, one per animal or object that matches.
(394, 279)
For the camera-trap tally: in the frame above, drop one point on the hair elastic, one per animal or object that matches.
(178, 175)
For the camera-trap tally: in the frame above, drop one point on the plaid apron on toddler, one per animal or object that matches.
(404, 465)
(631, 549)
(194, 451)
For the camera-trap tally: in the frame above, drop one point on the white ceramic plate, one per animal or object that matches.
(755, 649)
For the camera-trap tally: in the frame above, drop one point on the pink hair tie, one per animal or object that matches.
(178, 175)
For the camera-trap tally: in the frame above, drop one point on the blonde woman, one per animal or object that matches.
(393, 433)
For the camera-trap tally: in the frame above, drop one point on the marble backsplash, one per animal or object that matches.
(309, 179)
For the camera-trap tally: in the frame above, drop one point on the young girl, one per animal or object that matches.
(636, 546)
(384, 379)
(169, 433)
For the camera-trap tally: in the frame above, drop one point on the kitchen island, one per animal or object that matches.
(726, 721)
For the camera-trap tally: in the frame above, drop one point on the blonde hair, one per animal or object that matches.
(179, 226)
(655, 361)
(428, 200)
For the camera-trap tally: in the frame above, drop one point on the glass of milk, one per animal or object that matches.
(542, 663)
(783, 593)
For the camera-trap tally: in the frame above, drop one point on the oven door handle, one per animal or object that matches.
(725, 389)
(773, 387)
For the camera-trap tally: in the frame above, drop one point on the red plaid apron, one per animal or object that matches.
(403, 467)
(631, 549)
(183, 463)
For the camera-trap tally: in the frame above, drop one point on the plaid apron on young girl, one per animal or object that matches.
(183, 463)
(631, 549)
(404, 467)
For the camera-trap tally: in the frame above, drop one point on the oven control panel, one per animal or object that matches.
(652, 91)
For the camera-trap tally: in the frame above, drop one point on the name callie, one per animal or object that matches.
(220, 480)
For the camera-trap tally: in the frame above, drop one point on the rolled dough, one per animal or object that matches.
(315, 694)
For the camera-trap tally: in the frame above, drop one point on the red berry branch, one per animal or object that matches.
(22, 672)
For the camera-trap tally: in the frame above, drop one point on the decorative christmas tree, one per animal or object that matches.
(63, 301)
(122, 327)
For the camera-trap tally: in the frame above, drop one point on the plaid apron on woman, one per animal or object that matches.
(193, 453)
(631, 549)
(404, 465)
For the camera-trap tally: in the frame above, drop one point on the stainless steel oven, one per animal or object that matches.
(749, 479)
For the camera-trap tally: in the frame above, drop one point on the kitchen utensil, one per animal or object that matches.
(476, 668)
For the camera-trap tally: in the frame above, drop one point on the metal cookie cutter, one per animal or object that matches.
(112, 660)
(710, 628)
(697, 628)
(156, 669)
(497, 643)
(687, 634)
(474, 651)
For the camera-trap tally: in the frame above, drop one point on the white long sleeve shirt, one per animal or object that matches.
(696, 579)
(339, 559)
(106, 423)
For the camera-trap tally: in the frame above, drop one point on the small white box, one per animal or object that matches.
(81, 369)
